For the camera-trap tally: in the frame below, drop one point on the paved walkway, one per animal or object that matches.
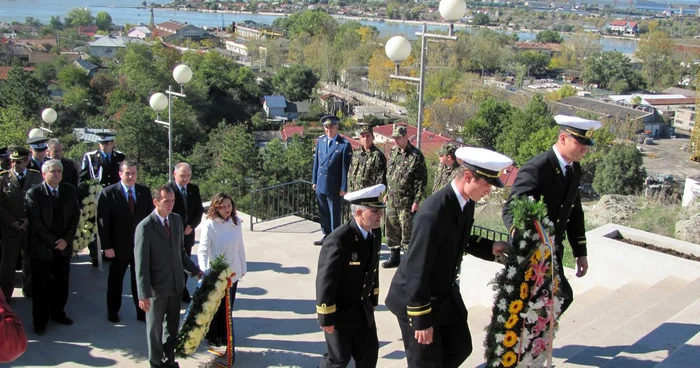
(275, 319)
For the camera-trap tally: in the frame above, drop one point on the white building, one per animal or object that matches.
(140, 32)
(108, 46)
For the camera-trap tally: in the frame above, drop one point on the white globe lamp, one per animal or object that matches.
(182, 74)
(36, 132)
(452, 10)
(397, 49)
(49, 115)
(158, 101)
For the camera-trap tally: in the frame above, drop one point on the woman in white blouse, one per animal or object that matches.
(222, 234)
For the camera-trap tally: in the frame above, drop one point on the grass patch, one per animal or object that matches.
(658, 218)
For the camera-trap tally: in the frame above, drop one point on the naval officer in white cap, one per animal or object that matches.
(37, 147)
(556, 176)
(424, 294)
(347, 283)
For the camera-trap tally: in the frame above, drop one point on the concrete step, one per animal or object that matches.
(586, 299)
(686, 356)
(668, 336)
(604, 318)
(570, 323)
(671, 296)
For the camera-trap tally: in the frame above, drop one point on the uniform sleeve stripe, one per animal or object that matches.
(419, 307)
(419, 313)
(323, 309)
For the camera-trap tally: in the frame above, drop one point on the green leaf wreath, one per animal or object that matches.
(205, 302)
(527, 302)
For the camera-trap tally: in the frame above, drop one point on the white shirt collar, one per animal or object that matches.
(462, 201)
(51, 189)
(562, 161)
(161, 219)
(24, 172)
(181, 188)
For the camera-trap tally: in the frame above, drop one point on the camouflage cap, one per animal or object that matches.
(365, 128)
(18, 152)
(399, 131)
(447, 149)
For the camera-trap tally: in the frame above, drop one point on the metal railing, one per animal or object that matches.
(487, 233)
(295, 198)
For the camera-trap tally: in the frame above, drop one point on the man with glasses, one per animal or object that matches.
(555, 175)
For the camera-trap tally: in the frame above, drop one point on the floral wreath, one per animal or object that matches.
(205, 302)
(87, 225)
(527, 302)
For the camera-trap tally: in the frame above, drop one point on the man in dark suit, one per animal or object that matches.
(14, 184)
(101, 165)
(188, 204)
(120, 208)
(160, 259)
(330, 174)
(347, 283)
(555, 175)
(424, 294)
(70, 173)
(53, 214)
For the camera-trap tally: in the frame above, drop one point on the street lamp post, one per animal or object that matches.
(49, 116)
(158, 101)
(398, 48)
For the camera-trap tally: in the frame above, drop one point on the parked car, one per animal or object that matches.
(587, 191)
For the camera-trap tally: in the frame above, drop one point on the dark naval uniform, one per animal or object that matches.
(98, 167)
(347, 290)
(424, 292)
(542, 177)
(34, 165)
(15, 241)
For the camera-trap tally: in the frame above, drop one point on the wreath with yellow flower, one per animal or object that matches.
(205, 302)
(527, 302)
(86, 232)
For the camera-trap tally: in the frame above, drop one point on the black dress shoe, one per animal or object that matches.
(40, 330)
(320, 242)
(186, 297)
(114, 318)
(64, 321)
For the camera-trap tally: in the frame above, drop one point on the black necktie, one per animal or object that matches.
(130, 200)
(568, 172)
(167, 227)
(55, 193)
(183, 192)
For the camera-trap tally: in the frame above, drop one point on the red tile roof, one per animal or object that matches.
(430, 142)
(290, 130)
(670, 101)
(6, 69)
(619, 23)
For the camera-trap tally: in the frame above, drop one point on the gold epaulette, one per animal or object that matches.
(376, 291)
(35, 170)
(418, 311)
(4, 171)
(323, 309)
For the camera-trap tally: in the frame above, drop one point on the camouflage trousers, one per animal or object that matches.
(399, 224)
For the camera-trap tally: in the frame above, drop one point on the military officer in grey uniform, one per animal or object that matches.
(101, 165)
(347, 283)
(15, 227)
(445, 170)
(407, 177)
(37, 148)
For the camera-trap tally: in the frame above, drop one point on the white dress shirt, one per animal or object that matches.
(221, 236)
(562, 161)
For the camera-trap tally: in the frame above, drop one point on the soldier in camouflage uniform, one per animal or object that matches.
(368, 166)
(445, 170)
(407, 177)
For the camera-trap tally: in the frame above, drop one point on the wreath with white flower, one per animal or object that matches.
(527, 302)
(87, 225)
(205, 302)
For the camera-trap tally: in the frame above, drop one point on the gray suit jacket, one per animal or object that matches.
(160, 261)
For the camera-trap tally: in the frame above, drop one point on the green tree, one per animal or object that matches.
(274, 169)
(621, 171)
(659, 66)
(481, 19)
(523, 124)
(79, 17)
(296, 83)
(23, 90)
(308, 23)
(611, 69)
(565, 91)
(298, 157)
(72, 76)
(103, 21)
(548, 36)
(483, 129)
(14, 126)
(536, 62)
(55, 23)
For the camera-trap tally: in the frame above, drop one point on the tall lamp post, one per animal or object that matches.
(182, 75)
(398, 48)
